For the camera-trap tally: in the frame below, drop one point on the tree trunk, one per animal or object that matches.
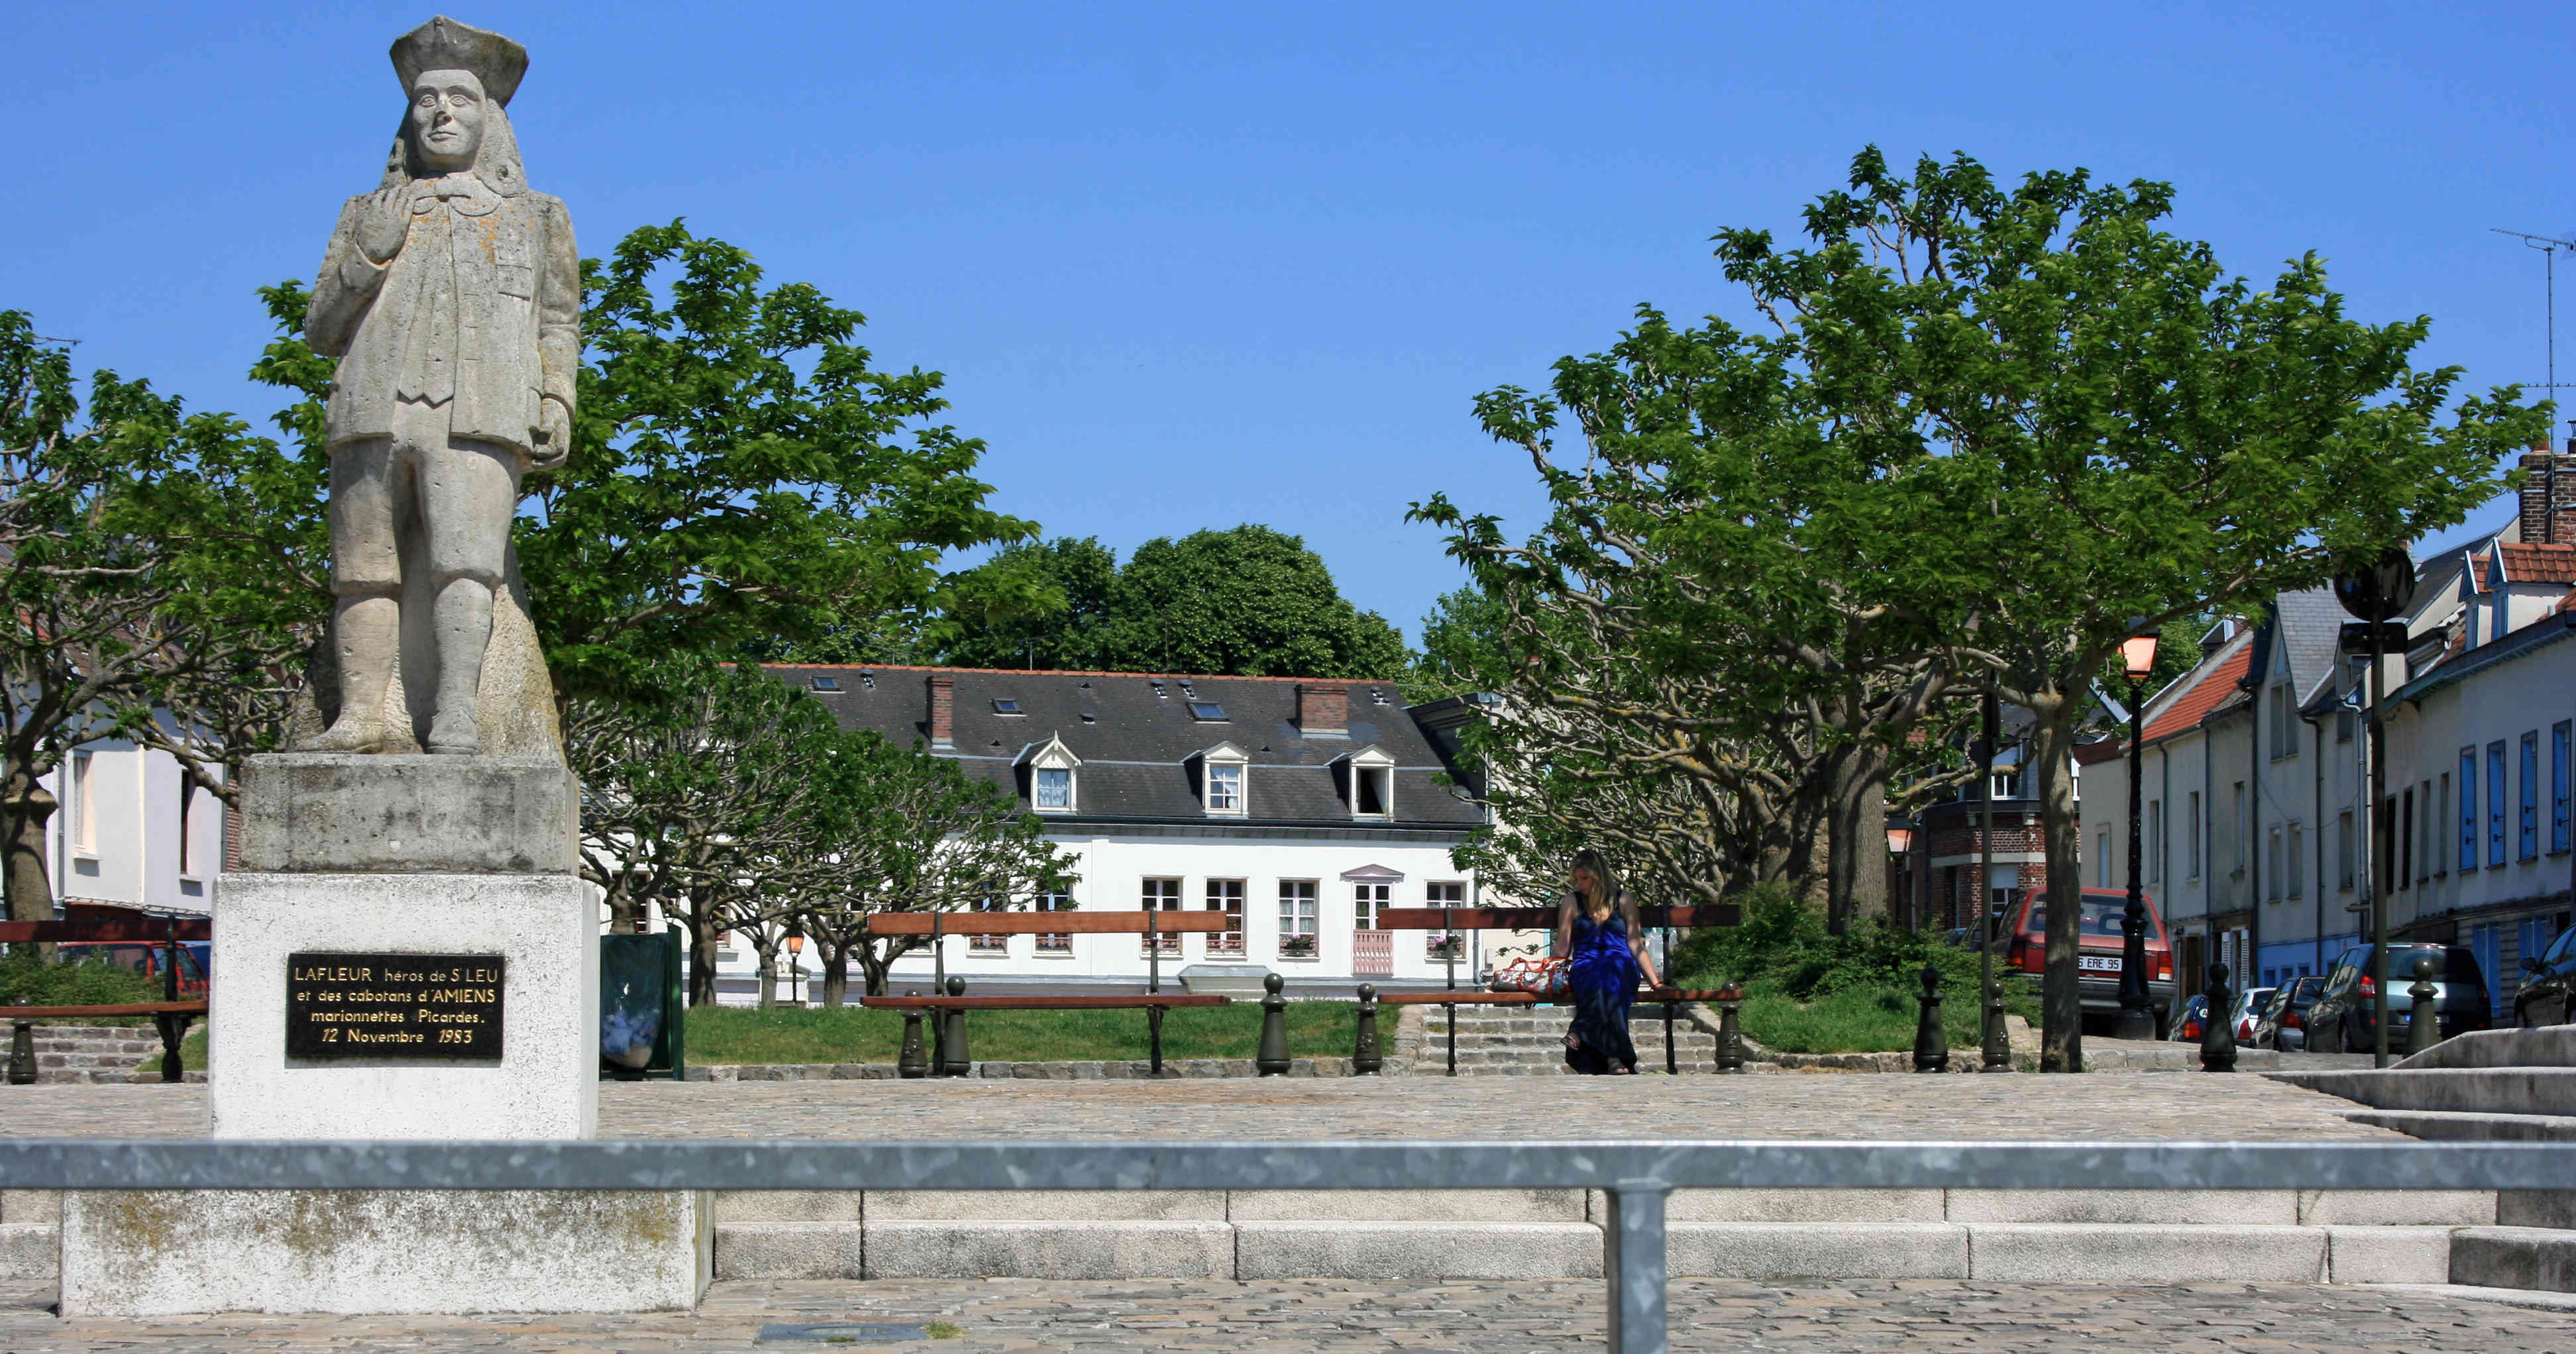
(25, 807)
(622, 911)
(2061, 995)
(765, 953)
(872, 969)
(836, 974)
(702, 956)
(1856, 836)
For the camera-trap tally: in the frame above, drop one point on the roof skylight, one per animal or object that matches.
(1207, 711)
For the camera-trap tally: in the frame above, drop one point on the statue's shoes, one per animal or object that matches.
(347, 735)
(455, 735)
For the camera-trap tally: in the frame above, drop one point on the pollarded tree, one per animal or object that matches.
(2080, 418)
(1692, 565)
(922, 836)
(149, 561)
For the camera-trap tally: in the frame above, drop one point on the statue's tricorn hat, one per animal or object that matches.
(443, 44)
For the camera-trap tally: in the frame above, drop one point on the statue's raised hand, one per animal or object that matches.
(385, 223)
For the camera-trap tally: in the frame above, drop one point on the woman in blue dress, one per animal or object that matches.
(1596, 928)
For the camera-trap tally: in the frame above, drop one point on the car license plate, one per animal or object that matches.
(2098, 963)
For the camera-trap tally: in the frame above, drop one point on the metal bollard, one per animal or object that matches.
(1272, 1060)
(1997, 1052)
(2218, 1027)
(22, 1052)
(1931, 1039)
(1730, 1037)
(2423, 1023)
(954, 1060)
(1365, 1058)
(914, 1062)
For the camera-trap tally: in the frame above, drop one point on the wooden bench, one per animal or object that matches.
(1454, 919)
(170, 1017)
(1151, 924)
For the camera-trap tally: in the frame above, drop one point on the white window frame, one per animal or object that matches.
(1297, 909)
(1152, 895)
(1229, 897)
(1355, 771)
(84, 797)
(1237, 767)
(1443, 893)
(1052, 755)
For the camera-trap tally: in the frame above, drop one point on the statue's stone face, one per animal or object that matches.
(447, 118)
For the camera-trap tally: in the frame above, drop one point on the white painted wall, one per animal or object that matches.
(132, 856)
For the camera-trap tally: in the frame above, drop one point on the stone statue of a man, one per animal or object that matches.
(451, 296)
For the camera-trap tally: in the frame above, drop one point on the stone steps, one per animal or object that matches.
(1517, 1041)
(2136, 1236)
(2475, 1090)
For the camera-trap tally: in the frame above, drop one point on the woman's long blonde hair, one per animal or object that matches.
(1598, 866)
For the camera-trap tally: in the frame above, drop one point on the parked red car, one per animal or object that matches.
(2101, 943)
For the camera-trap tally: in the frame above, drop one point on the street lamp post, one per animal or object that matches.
(2137, 1017)
(795, 962)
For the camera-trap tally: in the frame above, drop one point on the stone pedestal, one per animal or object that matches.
(385, 857)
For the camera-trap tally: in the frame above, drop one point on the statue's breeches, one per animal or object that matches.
(457, 493)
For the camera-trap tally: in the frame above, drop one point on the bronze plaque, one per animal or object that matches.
(438, 1007)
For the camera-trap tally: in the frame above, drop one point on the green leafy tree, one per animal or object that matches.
(154, 564)
(2077, 418)
(1249, 602)
(740, 471)
(1695, 583)
(993, 625)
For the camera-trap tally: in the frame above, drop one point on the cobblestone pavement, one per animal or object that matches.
(1882, 1317)
(2163, 1106)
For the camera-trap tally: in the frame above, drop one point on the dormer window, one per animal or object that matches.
(827, 683)
(1207, 712)
(1366, 781)
(1051, 768)
(1223, 780)
(1004, 706)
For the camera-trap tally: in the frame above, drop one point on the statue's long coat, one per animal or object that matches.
(481, 307)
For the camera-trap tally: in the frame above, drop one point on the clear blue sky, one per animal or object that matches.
(1189, 266)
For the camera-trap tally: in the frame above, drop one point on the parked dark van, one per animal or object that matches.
(2341, 1021)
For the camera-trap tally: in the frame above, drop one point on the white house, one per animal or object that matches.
(1300, 808)
(131, 830)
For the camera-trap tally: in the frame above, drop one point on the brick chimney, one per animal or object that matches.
(2548, 497)
(1323, 709)
(943, 712)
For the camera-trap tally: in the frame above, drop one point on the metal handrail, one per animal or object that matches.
(1637, 1175)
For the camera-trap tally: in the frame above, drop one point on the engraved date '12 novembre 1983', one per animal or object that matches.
(432, 1006)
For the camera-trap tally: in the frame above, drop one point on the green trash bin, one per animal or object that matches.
(641, 1011)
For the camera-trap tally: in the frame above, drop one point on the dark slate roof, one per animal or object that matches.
(1136, 746)
(2310, 625)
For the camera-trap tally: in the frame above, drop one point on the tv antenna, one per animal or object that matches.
(2548, 245)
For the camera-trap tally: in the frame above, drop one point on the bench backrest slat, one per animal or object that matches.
(1542, 918)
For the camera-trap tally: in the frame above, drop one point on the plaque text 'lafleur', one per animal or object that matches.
(444, 1007)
